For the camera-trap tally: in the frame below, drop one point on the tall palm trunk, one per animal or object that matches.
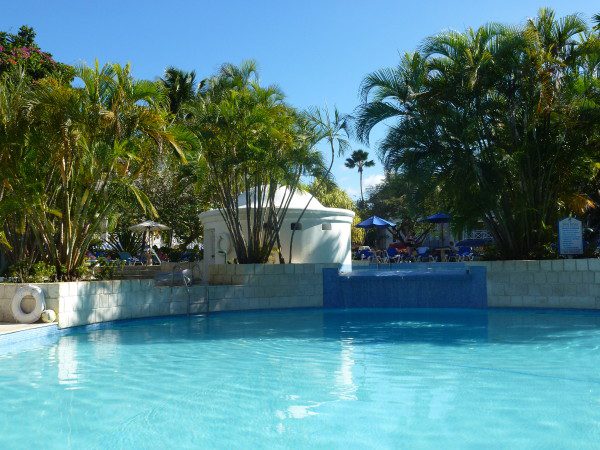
(360, 173)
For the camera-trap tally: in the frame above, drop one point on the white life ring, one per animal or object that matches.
(40, 303)
(224, 243)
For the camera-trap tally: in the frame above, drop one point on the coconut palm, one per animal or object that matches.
(359, 159)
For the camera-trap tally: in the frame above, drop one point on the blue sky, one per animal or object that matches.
(317, 51)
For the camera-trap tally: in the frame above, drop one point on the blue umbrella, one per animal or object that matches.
(375, 222)
(437, 218)
(440, 218)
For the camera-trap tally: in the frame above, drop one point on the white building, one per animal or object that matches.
(322, 237)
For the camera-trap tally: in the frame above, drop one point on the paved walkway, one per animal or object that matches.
(6, 328)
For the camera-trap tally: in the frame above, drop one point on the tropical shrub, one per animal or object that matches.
(106, 269)
(39, 272)
(70, 153)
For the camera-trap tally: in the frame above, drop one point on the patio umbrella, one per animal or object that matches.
(440, 218)
(375, 222)
(437, 218)
(147, 226)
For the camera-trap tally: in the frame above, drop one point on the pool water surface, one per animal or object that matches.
(362, 378)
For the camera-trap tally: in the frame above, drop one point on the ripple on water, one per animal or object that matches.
(312, 379)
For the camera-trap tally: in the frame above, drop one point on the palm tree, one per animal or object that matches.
(16, 237)
(180, 86)
(252, 144)
(359, 159)
(85, 148)
(492, 121)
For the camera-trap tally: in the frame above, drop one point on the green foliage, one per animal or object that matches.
(20, 50)
(107, 268)
(70, 153)
(499, 124)
(400, 196)
(177, 255)
(178, 198)
(126, 241)
(39, 272)
(251, 142)
(178, 195)
(180, 87)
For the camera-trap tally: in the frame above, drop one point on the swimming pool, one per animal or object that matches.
(311, 379)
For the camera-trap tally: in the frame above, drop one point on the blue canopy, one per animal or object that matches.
(375, 222)
(437, 218)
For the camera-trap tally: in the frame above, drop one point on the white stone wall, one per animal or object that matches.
(265, 286)
(83, 303)
(533, 284)
(8, 290)
(237, 287)
(568, 283)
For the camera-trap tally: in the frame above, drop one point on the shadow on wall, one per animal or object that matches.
(329, 246)
(439, 327)
(313, 244)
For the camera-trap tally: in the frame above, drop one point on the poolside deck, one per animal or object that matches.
(6, 328)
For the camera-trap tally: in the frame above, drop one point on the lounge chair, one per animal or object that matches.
(129, 260)
(423, 255)
(393, 255)
(465, 254)
(366, 255)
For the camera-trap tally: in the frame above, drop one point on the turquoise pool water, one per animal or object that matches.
(311, 379)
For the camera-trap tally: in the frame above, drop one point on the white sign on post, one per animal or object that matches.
(570, 237)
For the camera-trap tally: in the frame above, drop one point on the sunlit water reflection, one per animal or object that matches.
(311, 379)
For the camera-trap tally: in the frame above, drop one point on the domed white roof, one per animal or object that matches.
(299, 199)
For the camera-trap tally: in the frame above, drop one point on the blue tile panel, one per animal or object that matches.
(460, 287)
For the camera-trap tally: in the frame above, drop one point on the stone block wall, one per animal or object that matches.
(85, 302)
(8, 290)
(563, 283)
(265, 286)
(141, 272)
(82, 303)
(533, 284)
(238, 287)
